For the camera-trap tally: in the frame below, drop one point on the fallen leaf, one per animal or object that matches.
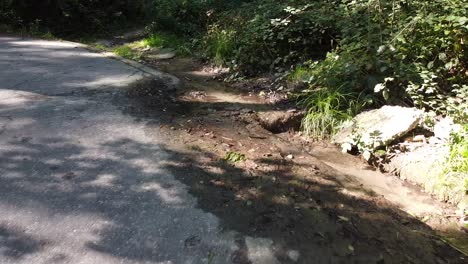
(343, 218)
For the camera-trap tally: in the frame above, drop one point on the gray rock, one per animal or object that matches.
(293, 255)
(162, 54)
(424, 166)
(444, 128)
(387, 124)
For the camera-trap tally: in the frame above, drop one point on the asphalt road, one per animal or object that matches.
(81, 181)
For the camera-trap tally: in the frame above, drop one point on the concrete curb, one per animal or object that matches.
(171, 80)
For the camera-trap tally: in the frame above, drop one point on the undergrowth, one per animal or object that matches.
(326, 111)
(450, 183)
(126, 52)
(365, 52)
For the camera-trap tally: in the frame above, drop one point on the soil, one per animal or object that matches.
(330, 207)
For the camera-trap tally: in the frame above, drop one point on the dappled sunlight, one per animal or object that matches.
(322, 213)
(167, 194)
(260, 250)
(19, 123)
(102, 180)
(61, 185)
(56, 68)
(41, 43)
(112, 81)
(9, 98)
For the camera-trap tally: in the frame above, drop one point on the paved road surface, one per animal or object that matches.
(83, 182)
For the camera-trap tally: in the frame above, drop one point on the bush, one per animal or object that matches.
(411, 53)
(399, 52)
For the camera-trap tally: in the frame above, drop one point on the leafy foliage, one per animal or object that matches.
(364, 52)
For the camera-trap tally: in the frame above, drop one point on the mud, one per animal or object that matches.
(331, 207)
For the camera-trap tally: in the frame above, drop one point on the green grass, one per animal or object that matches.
(220, 45)
(326, 111)
(166, 40)
(157, 40)
(126, 52)
(161, 40)
(458, 160)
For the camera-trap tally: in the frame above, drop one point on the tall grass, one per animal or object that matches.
(220, 45)
(325, 111)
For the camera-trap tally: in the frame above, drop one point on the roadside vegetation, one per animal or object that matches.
(340, 56)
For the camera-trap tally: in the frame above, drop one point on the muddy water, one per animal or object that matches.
(197, 79)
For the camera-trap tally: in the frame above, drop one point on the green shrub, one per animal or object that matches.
(220, 45)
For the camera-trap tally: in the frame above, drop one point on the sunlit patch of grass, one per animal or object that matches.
(325, 112)
(126, 52)
(165, 40)
(161, 40)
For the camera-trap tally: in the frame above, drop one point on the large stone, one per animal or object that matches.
(424, 166)
(386, 124)
(444, 128)
(162, 54)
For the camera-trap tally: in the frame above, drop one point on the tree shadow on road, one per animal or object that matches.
(145, 208)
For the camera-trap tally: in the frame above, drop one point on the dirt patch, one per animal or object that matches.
(300, 194)
(281, 121)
